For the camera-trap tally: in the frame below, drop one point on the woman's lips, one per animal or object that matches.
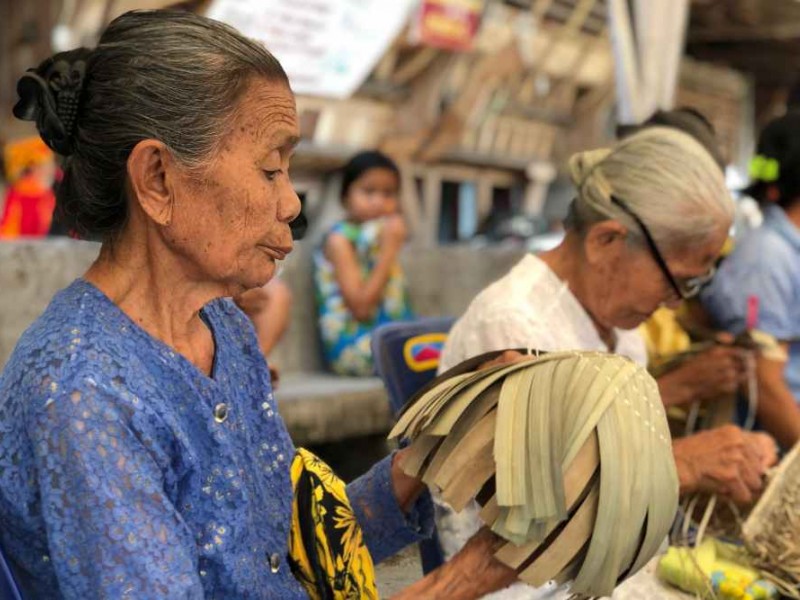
(276, 252)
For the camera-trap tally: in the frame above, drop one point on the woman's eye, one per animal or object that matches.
(271, 175)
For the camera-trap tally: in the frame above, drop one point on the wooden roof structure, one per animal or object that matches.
(538, 84)
(758, 37)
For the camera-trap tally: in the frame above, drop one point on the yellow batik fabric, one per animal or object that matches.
(327, 552)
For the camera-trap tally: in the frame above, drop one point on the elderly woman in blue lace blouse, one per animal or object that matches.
(141, 454)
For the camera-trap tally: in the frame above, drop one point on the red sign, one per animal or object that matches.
(448, 24)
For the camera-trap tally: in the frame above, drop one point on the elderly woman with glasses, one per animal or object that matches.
(645, 229)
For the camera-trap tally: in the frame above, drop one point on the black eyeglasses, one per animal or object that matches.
(684, 288)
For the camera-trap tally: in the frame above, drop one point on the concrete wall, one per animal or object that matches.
(442, 282)
(30, 273)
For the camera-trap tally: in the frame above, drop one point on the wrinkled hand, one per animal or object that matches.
(715, 373)
(477, 562)
(725, 461)
(719, 371)
(470, 574)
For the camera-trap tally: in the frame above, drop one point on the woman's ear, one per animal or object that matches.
(150, 172)
(604, 242)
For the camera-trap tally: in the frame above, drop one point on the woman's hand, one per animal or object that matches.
(726, 461)
(472, 573)
(712, 374)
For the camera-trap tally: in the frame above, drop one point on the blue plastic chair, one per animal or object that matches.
(8, 585)
(406, 356)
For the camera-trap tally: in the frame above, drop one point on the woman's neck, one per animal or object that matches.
(147, 282)
(566, 262)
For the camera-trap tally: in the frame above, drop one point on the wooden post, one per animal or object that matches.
(540, 175)
(432, 201)
(409, 197)
(646, 69)
(625, 61)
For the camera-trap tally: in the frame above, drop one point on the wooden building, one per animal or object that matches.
(479, 132)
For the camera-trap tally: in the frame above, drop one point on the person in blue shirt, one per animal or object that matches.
(141, 451)
(758, 285)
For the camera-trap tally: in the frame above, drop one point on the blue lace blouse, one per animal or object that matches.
(125, 472)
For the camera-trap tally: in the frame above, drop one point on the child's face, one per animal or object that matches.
(372, 195)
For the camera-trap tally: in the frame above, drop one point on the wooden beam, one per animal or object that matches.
(488, 73)
(414, 65)
(387, 64)
(774, 61)
(734, 34)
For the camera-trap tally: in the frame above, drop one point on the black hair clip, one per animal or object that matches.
(51, 94)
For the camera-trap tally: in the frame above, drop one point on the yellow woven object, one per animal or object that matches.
(327, 553)
(568, 454)
(714, 570)
(663, 334)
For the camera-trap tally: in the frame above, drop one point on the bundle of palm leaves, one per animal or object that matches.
(771, 532)
(568, 454)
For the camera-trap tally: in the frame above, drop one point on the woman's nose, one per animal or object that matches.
(289, 205)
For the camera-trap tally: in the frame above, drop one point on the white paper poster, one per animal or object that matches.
(327, 47)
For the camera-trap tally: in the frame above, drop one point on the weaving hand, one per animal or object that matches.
(714, 373)
(726, 461)
(472, 573)
(715, 366)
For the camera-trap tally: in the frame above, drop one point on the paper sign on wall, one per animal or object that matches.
(327, 47)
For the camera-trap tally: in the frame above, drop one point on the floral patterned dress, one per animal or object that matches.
(345, 340)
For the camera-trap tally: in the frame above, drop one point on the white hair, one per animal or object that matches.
(665, 176)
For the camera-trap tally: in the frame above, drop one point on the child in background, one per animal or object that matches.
(31, 171)
(357, 275)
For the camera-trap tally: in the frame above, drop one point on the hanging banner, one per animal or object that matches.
(448, 24)
(327, 47)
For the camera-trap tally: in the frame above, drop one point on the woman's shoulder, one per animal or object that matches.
(61, 325)
(527, 287)
(70, 338)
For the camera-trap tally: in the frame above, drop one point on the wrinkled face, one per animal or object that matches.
(231, 221)
(624, 290)
(372, 195)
